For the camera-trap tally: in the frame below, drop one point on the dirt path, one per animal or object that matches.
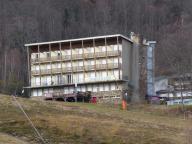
(8, 139)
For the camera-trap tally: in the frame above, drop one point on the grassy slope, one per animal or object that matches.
(75, 123)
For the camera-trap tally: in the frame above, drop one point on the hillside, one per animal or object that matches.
(74, 123)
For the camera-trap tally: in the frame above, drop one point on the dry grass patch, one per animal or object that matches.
(8, 139)
(76, 123)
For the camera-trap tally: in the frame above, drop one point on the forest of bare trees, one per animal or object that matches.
(169, 22)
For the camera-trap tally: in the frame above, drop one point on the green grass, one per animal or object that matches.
(75, 123)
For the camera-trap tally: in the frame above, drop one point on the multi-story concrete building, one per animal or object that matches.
(104, 64)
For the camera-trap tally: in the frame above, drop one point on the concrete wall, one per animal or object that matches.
(135, 66)
(130, 62)
(126, 60)
(130, 69)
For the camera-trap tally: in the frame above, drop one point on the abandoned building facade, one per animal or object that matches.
(104, 65)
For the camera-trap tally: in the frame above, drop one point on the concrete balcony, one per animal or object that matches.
(45, 72)
(88, 55)
(66, 70)
(101, 66)
(75, 57)
(51, 59)
(113, 65)
(66, 58)
(100, 54)
(35, 72)
(89, 67)
(113, 53)
(76, 69)
(107, 54)
(41, 72)
(40, 60)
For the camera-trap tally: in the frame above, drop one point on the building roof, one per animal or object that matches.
(80, 39)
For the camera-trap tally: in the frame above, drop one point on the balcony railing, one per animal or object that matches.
(88, 55)
(113, 53)
(76, 69)
(113, 65)
(64, 81)
(66, 57)
(101, 66)
(100, 54)
(44, 72)
(76, 57)
(89, 67)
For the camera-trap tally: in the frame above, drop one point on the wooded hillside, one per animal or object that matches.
(169, 22)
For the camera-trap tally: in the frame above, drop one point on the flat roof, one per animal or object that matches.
(79, 39)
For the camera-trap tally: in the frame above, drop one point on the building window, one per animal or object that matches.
(101, 87)
(115, 60)
(37, 81)
(59, 54)
(120, 60)
(120, 47)
(78, 88)
(37, 56)
(115, 47)
(48, 79)
(89, 88)
(94, 88)
(69, 78)
(106, 87)
(92, 62)
(90, 50)
(104, 61)
(66, 91)
(58, 65)
(109, 87)
(97, 88)
(39, 92)
(104, 75)
(59, 79)
(37, 68)
(49, 66)
(34, 93)
(112, 86)
(103, 49)
(68, 64)
(81, 78)
(83, 88)
(80, 63)
(80, 51)
(48, 55)
(71, 90)
(116, 74)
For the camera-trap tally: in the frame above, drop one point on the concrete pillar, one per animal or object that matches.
(135, 73)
